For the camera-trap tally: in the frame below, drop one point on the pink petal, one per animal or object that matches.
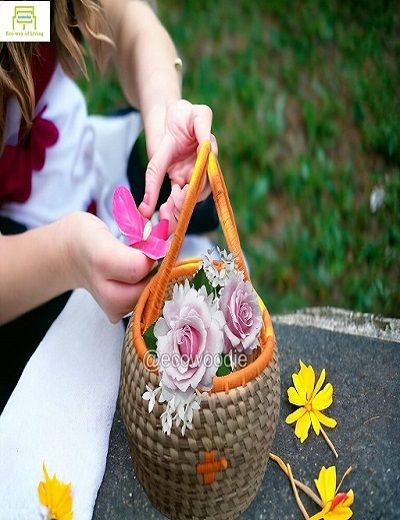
(160, 230)
(130, 222)
(154, 248)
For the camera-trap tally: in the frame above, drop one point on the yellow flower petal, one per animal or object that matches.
(46, 475)
(302, 427)
(64, 505)
(326, 484)
(334, 508)
(350, 498)
(325, 514)
(324, 419)
(324, 398)
(299, 387)
(68, 516)
(294, 397)
(343, 514)
(42, 493)
(56, 496)
(322, 514)
(320, 382)
(315, 423)
(307, 378)
(294, 416)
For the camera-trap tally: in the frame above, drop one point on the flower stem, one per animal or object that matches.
(306, 490)
(346, 473)
(329, 442)
(296, 494)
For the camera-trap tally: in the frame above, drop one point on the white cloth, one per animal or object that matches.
(61, 412)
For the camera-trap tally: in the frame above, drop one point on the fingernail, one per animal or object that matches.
(146, 198)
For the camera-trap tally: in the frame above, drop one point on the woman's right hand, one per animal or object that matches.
(114, 273)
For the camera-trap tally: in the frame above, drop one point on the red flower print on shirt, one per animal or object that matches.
(17, 163)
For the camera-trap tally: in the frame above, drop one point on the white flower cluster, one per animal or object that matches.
(219, 277)
(179, 409)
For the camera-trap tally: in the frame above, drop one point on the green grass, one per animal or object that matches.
(307, 117)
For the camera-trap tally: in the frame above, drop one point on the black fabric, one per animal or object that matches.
(9, 227)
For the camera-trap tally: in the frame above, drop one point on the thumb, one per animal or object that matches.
(155, 173)
(128, 264)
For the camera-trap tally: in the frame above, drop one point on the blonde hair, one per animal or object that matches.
(70, 20)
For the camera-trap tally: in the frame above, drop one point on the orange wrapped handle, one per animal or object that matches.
(225, 212)
(156, 298)
(205, 159)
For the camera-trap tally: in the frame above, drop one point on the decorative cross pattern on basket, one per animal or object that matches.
(211, 466)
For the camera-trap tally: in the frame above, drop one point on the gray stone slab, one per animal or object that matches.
(342, 320)
(365, 374)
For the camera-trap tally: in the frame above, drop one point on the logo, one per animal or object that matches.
(25, 21)
(24, 15)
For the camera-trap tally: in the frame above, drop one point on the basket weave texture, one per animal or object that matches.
(215, 470)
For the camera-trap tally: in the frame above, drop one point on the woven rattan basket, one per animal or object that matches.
(215, 470)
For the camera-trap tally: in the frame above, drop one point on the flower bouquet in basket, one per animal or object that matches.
(199, 390)
(208, 327)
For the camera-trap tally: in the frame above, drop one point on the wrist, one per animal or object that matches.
(69, 252)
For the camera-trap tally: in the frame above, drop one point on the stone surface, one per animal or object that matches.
(342, 320)
(365, 374)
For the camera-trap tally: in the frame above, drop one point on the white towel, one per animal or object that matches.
(61, 412)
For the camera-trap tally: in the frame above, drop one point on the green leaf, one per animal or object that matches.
(200, 279)
(150, 340)
(224, 365)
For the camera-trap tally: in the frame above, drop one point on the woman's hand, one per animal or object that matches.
(76, 251)
(173, 139)
(112, 272)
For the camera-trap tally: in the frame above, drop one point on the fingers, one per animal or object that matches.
(127, 265)
(214, 144)
(155, 174)
(120, 279)
(171, 209)
(178, 195)
(118, 298)
(186, 124)
(167, 212)
(202, 122)
(206, 188)
(202, 128)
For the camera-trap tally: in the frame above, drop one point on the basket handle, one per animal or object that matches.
(225, 214)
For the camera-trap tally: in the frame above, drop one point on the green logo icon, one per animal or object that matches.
(24, 15)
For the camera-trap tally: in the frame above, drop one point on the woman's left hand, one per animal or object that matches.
(172, 145)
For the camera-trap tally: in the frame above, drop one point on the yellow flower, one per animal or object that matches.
(336, 505)
(56, 497)
(311, 400)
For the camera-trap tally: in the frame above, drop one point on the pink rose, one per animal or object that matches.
(239, 304)
(189, 339)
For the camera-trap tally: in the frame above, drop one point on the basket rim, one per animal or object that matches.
(220, 383)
